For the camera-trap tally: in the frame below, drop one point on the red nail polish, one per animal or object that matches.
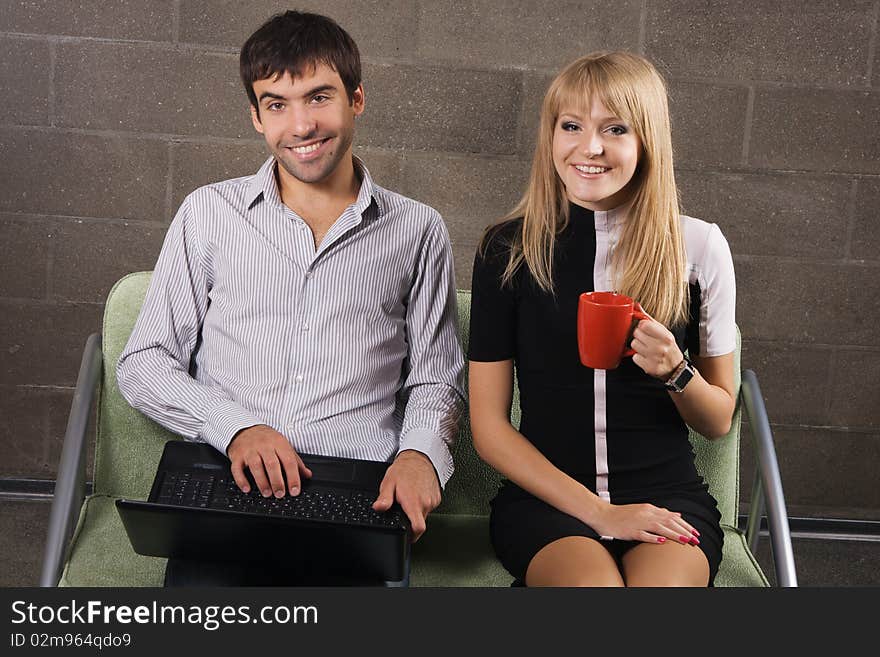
(684, 539)
(661, 539)
(695, 532)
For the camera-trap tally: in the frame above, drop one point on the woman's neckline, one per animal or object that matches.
(613, 216)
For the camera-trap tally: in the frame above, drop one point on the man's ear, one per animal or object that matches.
(255, 119)
(358, 100)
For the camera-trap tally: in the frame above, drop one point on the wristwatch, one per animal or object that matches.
(680, 376)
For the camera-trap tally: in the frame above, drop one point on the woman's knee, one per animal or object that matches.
(665, 566)
(573, 561)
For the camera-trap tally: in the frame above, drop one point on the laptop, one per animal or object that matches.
(196, 510)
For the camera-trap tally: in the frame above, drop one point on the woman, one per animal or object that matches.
(600, 484)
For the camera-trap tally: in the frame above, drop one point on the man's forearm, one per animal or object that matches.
(431, 422)
(155, 384)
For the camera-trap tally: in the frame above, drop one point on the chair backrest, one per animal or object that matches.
(129, 445)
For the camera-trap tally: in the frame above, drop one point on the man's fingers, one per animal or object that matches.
(255, 465)
(303, 468)
(291, 464)
(416, 516)
(386, 495)
(276, 477)
(239, 477)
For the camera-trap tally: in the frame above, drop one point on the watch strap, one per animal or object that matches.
(680, 376)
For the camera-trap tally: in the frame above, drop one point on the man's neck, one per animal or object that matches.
(320, 203)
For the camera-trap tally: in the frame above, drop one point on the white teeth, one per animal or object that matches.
(591, 169)
(308, 149)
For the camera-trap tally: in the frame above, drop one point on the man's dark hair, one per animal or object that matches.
(290, 42)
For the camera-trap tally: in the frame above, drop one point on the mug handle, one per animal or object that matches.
(638, 315)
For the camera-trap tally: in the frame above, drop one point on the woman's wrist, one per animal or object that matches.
(592, 506)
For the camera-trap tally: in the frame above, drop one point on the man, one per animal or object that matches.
(304, 308)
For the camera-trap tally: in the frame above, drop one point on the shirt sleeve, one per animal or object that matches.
(153, 370)
(718, 302)
(433, 387)
(493, 305)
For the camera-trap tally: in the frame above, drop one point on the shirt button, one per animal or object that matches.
(299, 378)
(309, 274)
(305, 327)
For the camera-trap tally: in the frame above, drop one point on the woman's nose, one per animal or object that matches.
(594, 146)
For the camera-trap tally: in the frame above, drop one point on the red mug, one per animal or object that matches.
(604, 325)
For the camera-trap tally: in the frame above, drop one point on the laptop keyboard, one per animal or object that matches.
(219, 491)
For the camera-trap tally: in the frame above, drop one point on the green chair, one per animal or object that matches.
(87, 545)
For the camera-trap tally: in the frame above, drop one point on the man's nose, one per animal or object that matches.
(303, 124)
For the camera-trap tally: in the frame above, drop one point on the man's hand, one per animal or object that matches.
(412, 481)
(265, 452)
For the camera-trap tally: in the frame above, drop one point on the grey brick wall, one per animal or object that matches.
(112, 112)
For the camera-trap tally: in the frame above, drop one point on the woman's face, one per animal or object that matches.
(595, 156)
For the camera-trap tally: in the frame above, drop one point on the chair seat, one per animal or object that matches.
(454, 552)
(738, 565)
(102, 554)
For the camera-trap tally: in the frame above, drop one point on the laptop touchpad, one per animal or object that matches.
(331, 471)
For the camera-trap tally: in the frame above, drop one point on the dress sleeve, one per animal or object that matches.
(493, 305)
(718, 302)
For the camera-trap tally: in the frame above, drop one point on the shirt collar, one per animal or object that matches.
(368, 192)
(602, 218)
(264, 184)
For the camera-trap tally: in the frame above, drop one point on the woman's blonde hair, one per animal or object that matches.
(649, 262)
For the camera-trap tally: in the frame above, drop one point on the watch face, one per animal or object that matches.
(686, 375)
(678, 384)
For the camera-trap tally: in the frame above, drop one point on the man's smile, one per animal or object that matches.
(309, 150)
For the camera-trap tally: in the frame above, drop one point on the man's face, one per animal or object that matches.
(308, 122)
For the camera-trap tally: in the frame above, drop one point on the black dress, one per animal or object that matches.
(616, 431)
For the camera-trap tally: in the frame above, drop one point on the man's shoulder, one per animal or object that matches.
(397, 206)
(238, 192)
(222, 189)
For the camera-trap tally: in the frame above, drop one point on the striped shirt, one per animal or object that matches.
(348, 349)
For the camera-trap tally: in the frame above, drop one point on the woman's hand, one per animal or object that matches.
(643, 522)
(656, 351)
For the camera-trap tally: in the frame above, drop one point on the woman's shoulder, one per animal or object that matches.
(703, 240)
(498, 238)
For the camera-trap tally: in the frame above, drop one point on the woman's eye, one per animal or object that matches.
(617, 130)
(568, 126)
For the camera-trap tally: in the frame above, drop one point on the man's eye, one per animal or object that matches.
(320, 98)
(274, 107)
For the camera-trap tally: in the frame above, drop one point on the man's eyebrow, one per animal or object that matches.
(269, 94)
(319, 89)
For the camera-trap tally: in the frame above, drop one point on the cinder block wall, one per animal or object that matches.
(112, 112)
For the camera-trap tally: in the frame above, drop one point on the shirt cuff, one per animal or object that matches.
(428, 443)
(224, 421)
